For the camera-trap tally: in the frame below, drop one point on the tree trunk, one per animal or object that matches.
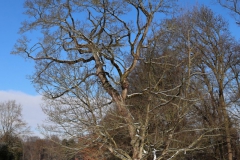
(226, 123)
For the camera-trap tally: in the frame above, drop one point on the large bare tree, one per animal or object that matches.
(83, 47)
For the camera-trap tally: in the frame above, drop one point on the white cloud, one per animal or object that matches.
(32, 112)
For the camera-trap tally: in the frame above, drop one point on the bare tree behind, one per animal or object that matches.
(12, 128)
(215, 67)
(11, 120)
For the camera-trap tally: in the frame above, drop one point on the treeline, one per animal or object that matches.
(121, 83)
(35, 148)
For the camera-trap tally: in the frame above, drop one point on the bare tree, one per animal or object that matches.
(12, 128)
(11, 121)
(83, 47)
(215, 68)
(218, 53)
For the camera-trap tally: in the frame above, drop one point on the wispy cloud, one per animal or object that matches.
(32, 112)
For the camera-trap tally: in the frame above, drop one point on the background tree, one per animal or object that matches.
(215, 68)
(46, 149)
(219, 54)
(12, 127)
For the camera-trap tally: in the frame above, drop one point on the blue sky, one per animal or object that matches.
(14, 69)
